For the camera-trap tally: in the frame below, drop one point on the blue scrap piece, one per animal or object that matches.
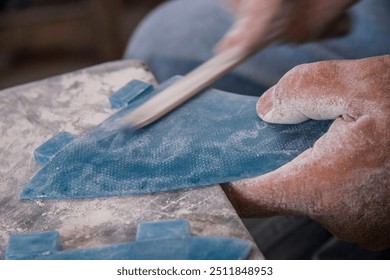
(44, 153)
(167, 240)
(215, 137)
(33, 245)
(161, 230)
(131, 91)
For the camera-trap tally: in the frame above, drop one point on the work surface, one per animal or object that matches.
(75, 103)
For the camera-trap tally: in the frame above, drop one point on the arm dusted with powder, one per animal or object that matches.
(343, 180)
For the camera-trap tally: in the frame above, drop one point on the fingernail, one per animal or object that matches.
(265, 104)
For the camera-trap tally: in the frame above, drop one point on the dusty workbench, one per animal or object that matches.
(76, 102)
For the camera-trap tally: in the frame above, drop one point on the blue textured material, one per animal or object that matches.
(169, 240)
(131, 91)
(33, 245)
(216, 137)
(44, 153)
(154, 230)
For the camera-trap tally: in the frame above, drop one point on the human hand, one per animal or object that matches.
(259, 21)
(343, 181)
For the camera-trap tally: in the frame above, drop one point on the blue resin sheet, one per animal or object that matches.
(215, 137)
(167, 240)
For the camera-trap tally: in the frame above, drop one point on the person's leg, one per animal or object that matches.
(181, 34)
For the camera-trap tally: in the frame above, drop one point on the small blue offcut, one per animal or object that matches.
(44, 153)
(130, 92)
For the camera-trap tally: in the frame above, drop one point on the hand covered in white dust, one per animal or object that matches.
(343, 180)
(289, 20)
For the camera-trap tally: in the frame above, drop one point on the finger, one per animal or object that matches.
(340, 27)
(310, 91)
(299, 31)
(313, 21)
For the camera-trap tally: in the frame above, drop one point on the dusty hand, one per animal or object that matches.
(289, 20)
(343, 180)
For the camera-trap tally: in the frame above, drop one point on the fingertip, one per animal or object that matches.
(275, 107)
(265, 104)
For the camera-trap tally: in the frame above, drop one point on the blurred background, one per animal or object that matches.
(43, 38)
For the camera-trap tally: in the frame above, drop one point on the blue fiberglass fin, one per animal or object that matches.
(213, 138)
(130, 92)
(167, 240)
(44, 153)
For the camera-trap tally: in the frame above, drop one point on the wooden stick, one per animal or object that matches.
(191, 84)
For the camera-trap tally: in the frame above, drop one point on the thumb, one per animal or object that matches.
(309, 91)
